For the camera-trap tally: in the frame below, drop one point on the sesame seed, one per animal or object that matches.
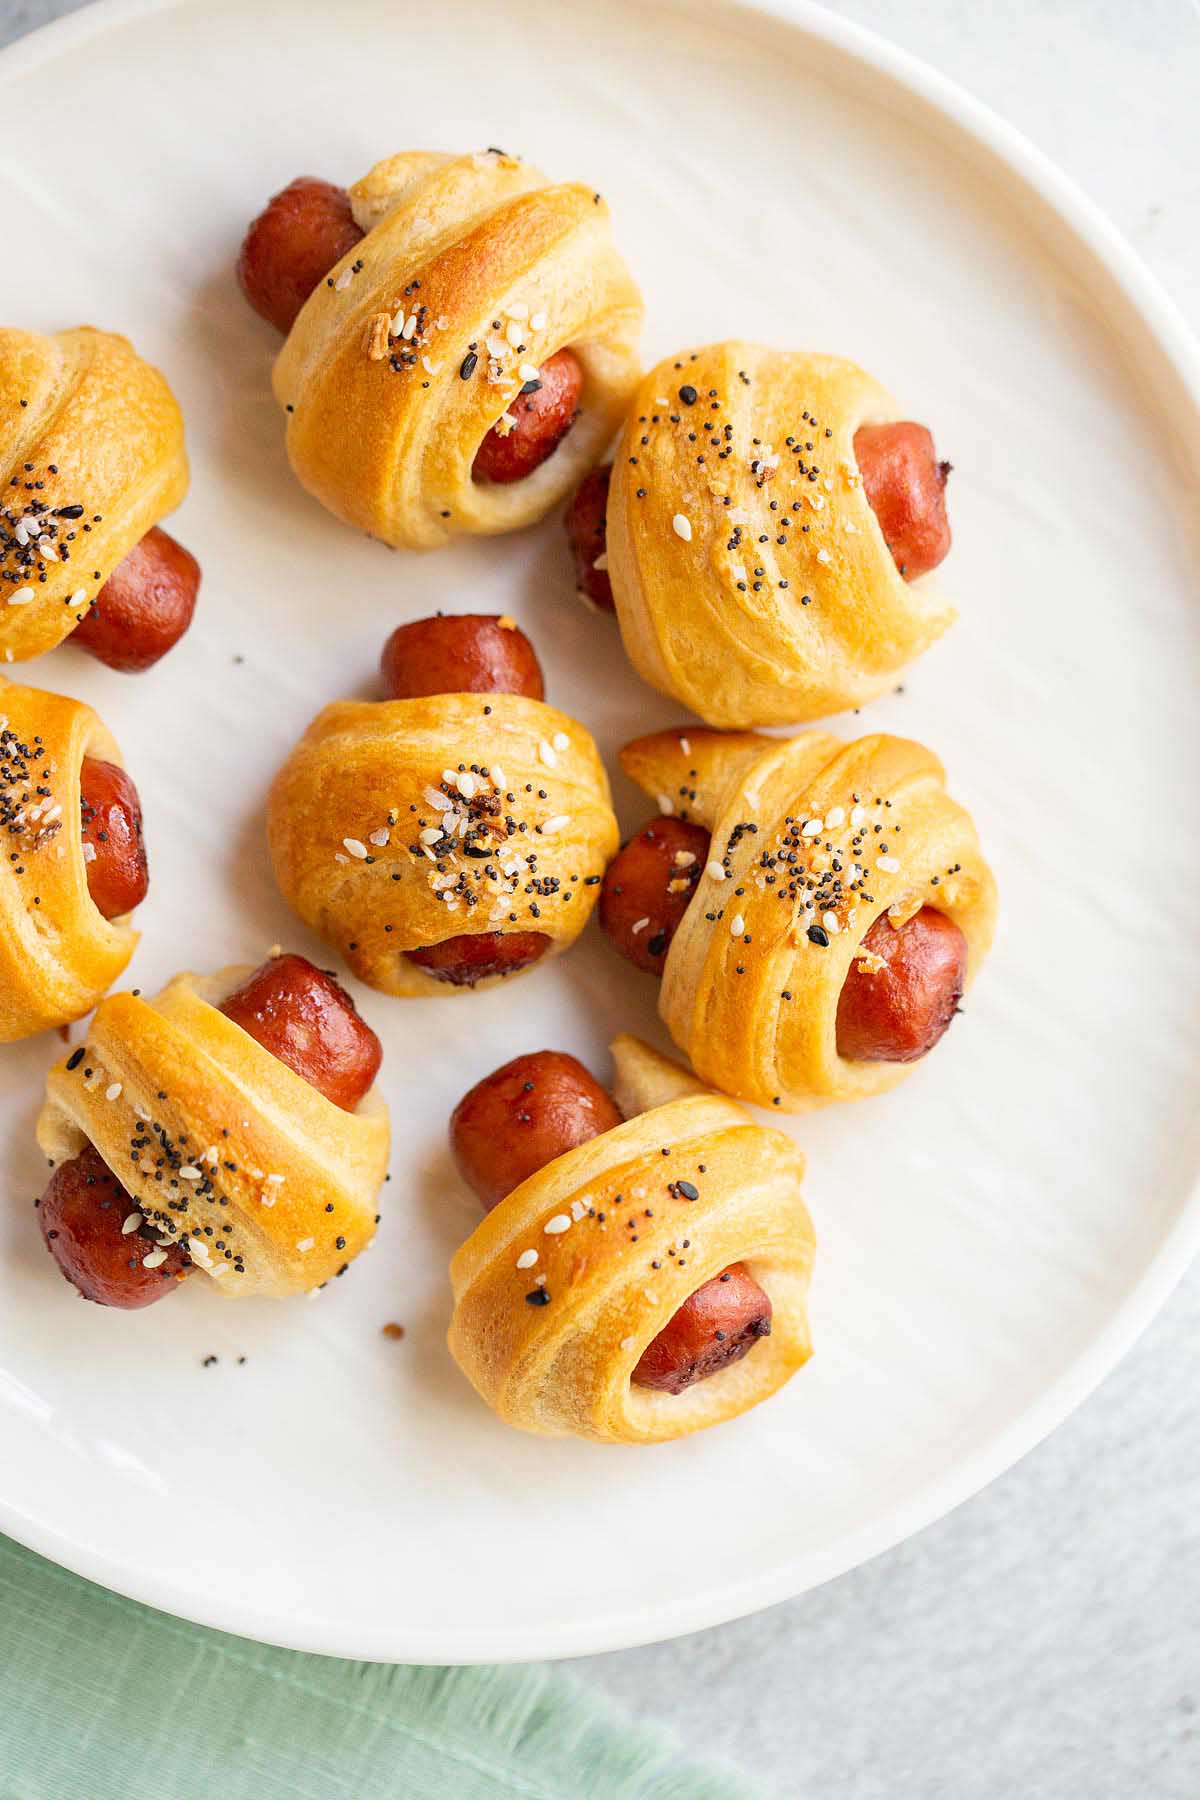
(627, 1343)
(527, 1259)
(561, 741)
(113, 1091)
(557, 1225)
(812, 828)
(305, 1244)
(188, 1172)
(715, 871)
(681, 525)
(355, 847)
(132, 1221)
(737, 925)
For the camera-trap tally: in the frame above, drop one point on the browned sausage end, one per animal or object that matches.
(906, 485)
(523, 1116)
(144, 607)
(118, 875)
(648, 886)
(100, 1240)
(291, 246)
(308, 1020)
(716, 1326)
(898, 1000)
(460, 653)
(542, 415)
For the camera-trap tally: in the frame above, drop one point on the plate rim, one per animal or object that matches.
(1166, 327)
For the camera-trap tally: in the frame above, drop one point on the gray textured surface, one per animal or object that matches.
(1044, 1641)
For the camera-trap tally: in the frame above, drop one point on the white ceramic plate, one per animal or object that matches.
(994, 1234)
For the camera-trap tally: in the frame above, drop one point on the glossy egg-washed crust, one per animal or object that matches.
(756, 1009)
(384, 429)
(563, 1366)
(347, 809)
(720, 621)
(103, 433)
(196, 1120)
(58, 953)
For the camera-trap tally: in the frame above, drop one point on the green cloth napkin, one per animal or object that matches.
(103, 1699)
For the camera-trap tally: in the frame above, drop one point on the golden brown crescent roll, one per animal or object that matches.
(813, 840)
(565, 1283)
(58, 953)
(91, 456)
(474, 271)
(751, 578)
(271, 1187)
(397, 824)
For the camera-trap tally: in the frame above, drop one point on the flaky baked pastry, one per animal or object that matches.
(398, 824)
(58, 953)
(813, 840)
(269, 1186)
(751, 577)
(561, 1288)
(475, 270)
(91, 457)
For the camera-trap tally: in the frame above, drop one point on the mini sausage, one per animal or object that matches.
(906, 485)
(715, 1326)
(898, 1013)
(291, 246)
(308, 1020)
(647, 888)
(466, 653)
(467, 960)
(111, 826)
(536, 1108)
(586, 523)
(544, 411)
(144, 607)
(460, 653)
(99, 1240)
(520, 1117)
